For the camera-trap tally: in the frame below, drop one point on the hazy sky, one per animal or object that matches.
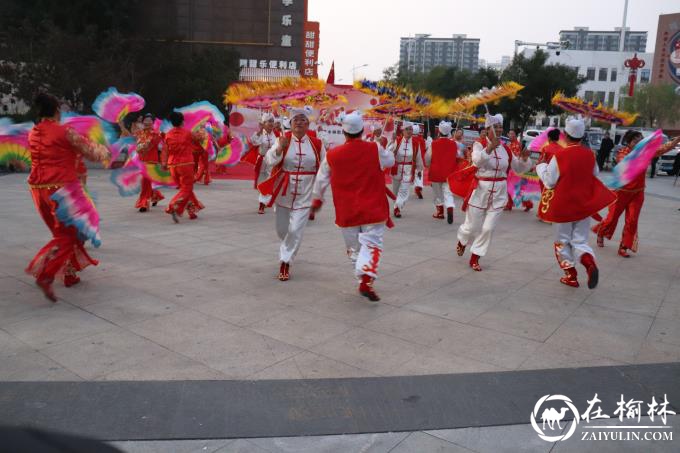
(356, 32)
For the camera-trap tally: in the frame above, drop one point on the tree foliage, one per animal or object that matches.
(76, 49)
(658, 105)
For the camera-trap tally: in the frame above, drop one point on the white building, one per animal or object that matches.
(604, 71)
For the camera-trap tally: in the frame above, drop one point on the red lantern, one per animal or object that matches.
(633, 64)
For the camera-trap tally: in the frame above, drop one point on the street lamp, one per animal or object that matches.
(354, 68)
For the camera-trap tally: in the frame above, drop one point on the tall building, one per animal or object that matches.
(582, 38)
(422, 53)
(269, 35)
(666, 67)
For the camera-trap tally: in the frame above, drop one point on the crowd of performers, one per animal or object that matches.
(294, 168)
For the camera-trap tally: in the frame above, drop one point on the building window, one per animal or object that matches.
(589, 96)
(602, 77)
(590, 74)
(613, 75)
(610, 99)
(644, 75)
(599, 97)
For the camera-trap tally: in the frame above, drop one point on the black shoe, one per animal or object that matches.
(142, 209)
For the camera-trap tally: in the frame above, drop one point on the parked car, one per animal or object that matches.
(666, 161)
(593, 139)
(529, 135)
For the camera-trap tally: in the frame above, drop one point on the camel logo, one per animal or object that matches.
(552, 418)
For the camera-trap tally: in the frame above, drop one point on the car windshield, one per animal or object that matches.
(595, 138)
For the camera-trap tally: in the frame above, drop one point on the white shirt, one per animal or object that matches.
(404, 156)
(300, 158)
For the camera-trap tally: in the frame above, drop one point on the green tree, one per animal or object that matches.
(541, 81)
(658, 105)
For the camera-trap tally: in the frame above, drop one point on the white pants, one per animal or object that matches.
(364, 247)
(478, 227)
(418, 182)
(290, 225)
(401, 188)
(571, 242)
(264, 198)
(442, 194)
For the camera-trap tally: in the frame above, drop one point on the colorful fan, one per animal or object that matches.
(127, 144)
(319, 100)
(594, 110)
(199, 114)
(157, 175)
(261, 95)
(114, 106)
(14, 152)
(162, 126)
(635, 162)
(76, 208)
(231, 154)
(128, 179)
(541, 140)
(524, 187)
(90, 126)
(489, 95)
(9, 128)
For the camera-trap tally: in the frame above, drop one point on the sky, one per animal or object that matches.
(358, 32)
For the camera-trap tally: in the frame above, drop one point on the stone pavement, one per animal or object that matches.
(200, 301)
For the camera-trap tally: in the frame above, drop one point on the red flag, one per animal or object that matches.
(331, 74)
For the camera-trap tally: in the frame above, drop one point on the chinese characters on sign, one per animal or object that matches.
(267, 64)
(310, 50)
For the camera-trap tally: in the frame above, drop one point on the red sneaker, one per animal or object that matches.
(70, 280)
(474, 263)
(439, 213)
(570, 277)
(46, 287)
(260, 210)
(623, 252)
(312, 216)
(419, 192)
(449, 215)
(600, 241)
(593, 272)
(460, 249)
(366, 288)
(397, 213)
(284, 272)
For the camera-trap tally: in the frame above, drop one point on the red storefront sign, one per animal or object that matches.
(310, 50)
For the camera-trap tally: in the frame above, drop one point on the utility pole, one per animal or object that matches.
(617, 94)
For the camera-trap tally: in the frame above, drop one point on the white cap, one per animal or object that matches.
(407, 124)
(492, 120)
(306, 111)
(416, 129)
(266, 116)
(353, 123)
(445, 128)
(575, 128)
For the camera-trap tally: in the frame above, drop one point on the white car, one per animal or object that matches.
(665, 163)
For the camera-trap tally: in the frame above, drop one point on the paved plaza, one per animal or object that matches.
(200, 301)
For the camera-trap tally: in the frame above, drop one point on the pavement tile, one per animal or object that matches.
(308, 365)
(422, 442)
(556, 356)
(500, 439)
(173, 446)
(366, 443)
(519, 323)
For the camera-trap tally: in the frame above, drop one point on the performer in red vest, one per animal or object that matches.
(377, 136)
(295, 160)
(418, 181)
(149, 143)
(550, 148)
(489, 192)
(441, 159)
(572, 194)
(55, 150)
(263, 140)
(355, 173)
(202, 157)
(629, 199)
(408, 160)
(178, 157)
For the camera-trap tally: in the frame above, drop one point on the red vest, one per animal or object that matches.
(443, 161)
(578, 193)
(53, 159)
(152, 139)
(417, 148)
(358, 184)
(549, 150)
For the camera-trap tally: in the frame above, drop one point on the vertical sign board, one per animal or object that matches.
(310, 50)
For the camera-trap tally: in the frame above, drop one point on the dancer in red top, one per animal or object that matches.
(179, 144)
(629, 199)
(418, 181)
(149, 144)
(515, 147)
(202, 158)
(571, 196)
(408, 160)
(55, 151)
(355, 173)
(441, 158)
(263, 140)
